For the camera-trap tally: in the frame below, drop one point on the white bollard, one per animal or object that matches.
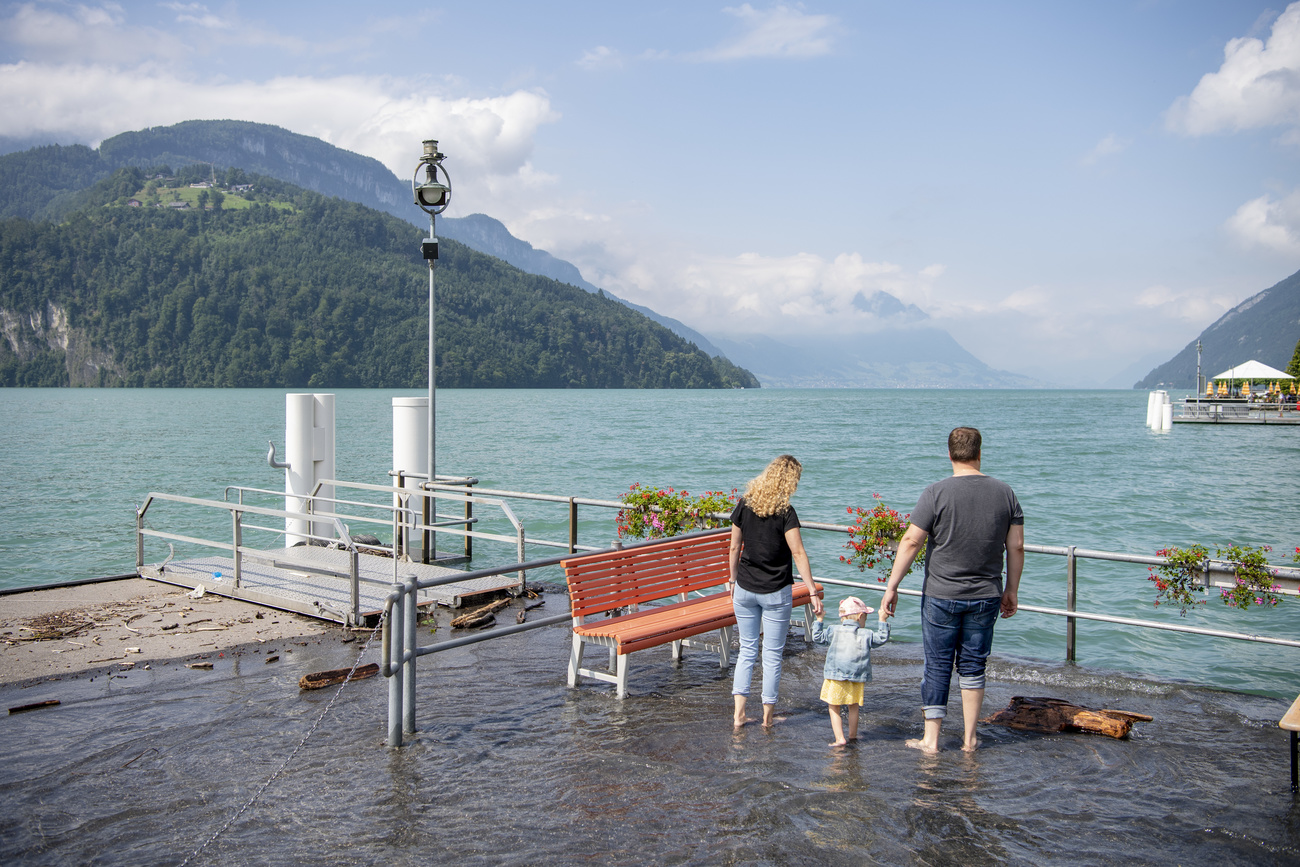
(411, 444)
(309, 451)
(1151, 409)
(1166, 414)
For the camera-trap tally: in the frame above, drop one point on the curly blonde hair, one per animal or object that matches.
(770, 492)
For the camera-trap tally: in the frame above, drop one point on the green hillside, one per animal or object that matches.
(296, 290)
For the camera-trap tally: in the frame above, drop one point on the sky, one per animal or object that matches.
(1072, 190)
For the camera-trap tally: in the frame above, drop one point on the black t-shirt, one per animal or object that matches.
(766, 564)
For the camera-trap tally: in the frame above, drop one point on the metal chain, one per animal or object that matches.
(378, 628)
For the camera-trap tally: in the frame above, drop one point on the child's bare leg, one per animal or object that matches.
(837, 726)
(853, 722)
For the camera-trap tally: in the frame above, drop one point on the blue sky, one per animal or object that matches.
(1069, 189)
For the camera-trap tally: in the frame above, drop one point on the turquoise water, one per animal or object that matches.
(77, 462)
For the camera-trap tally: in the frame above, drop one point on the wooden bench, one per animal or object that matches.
(1291, 722)
(642, 597)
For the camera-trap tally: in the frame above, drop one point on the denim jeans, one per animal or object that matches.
(954, 630)
(771, 613)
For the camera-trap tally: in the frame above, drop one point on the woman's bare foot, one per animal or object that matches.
(920, 744)
(739, 718)
(972, 745)
(838, 744)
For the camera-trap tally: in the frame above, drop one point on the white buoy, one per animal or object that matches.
(411, 444)
(309, 451)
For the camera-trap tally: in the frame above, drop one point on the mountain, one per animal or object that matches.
(1264, 327)
(277, 286)
(905, 352)
(487, 235)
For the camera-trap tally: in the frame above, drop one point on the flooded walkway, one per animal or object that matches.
(511, 767)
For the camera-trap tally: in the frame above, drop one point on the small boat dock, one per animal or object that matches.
(1234, 411)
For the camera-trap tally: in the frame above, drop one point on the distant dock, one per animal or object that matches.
(1235, 411)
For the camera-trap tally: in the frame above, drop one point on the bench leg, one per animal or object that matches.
(677, 651)
(724, 647)
(1295, 766)
(575, 660)
(808, 618)
(622, 675)
(613, 659)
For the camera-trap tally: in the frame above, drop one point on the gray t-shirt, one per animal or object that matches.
(968, 518)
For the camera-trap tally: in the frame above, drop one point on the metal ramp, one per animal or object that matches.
(315, 581)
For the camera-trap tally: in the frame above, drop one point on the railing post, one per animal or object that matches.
(520, 545)
(573, 526)
(394, 627)
(469, 516)
(1071, 586)
(427, 513)
(404, 529)
(354, 567)
(408, 651)
(238, 543)
(139, 537)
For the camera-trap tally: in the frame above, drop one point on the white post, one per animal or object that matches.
(309, 451)
(1166, 412)
(1151, 409)
(410, 447)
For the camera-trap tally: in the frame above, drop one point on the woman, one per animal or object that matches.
(765, 542)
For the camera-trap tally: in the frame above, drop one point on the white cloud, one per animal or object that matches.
(84, 34)
(1258, 85)
(377, 117)
(1193, 306)
(197, 13)
(781, 31)
(600, 57)
(1267, 223)
(1107, 147)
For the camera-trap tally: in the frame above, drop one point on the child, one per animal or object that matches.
(848, 662)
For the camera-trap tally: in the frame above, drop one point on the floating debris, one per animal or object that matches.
(35, 705)
(1053, 715)
(320, 679)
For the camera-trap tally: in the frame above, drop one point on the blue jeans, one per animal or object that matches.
(954, 630)
(771, 612)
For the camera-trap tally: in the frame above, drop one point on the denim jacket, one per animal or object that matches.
(848, 656)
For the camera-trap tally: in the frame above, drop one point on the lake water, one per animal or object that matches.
(77, 462)
(510, 767)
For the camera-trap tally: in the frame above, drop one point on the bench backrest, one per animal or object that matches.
(613, 579)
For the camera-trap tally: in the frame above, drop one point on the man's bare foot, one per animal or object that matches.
(920, 744)
(972, 745)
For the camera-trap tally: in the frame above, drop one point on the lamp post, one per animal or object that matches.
(432, 197)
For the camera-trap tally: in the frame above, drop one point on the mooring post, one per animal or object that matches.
(395, 627)
(409, 613)
(1071, 581)
(573, 526)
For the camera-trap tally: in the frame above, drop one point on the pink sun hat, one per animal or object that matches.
(852, 606)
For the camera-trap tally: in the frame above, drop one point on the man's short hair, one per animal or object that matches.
(964, 445)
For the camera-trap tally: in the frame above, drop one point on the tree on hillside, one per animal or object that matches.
(1294, 367)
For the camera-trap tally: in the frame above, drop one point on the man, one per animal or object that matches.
(970, 520)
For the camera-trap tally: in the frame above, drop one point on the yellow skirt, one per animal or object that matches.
(842, 692)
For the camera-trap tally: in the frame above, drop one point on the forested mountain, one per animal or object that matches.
(41, 179)
(1264, 327)
(290, 288)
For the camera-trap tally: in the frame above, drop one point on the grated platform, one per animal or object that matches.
(314, 581)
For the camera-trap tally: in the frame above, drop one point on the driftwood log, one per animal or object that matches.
(1053, 715)
(321, 679)
(479, 616)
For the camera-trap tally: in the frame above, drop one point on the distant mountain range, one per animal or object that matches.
(906, 352)
(1264, 327)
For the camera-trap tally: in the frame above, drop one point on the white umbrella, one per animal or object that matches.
(1253, 370)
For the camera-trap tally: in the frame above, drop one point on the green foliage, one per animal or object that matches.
(1294, 367)
(656, 513)
(326, 294)
(1183, 574)
(873, 539)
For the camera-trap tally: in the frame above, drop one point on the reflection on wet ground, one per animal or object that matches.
(511, 767)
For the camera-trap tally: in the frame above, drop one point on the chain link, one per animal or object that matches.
(378, 628)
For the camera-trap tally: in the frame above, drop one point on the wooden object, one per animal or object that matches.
(53, 702)
(612, 586)
(479, 616)
(1291, 722)
(1053, 715)
(320, 679)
